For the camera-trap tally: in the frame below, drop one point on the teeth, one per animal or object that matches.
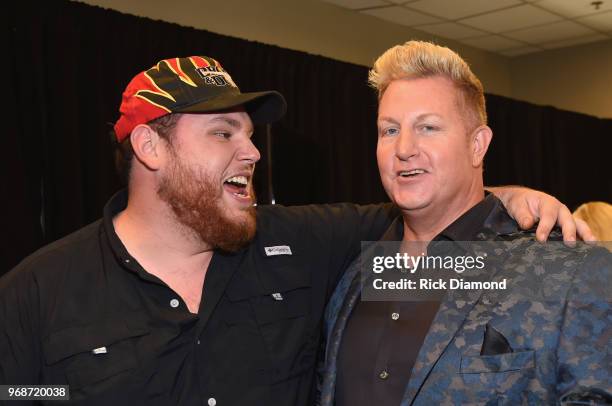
(238, 180)
(412, 172)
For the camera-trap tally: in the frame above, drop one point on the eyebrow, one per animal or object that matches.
(425, 115)
(229, 121)
(419, 117)
(387, 119)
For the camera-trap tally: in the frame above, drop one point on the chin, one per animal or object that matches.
(411, 202)
(411, 206)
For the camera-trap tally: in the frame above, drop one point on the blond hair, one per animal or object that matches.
(419, 59)
(598, 215)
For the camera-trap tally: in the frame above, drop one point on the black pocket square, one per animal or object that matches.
(494, 342)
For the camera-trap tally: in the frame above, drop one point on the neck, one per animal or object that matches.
(424, 224)
(151, 233)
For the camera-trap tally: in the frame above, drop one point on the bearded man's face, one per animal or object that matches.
(208, 180)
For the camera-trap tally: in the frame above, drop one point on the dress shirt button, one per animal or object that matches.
(198, 342)
(383, 375)
(174, 303)
(127, 261)
(212, 402)
(395, 316)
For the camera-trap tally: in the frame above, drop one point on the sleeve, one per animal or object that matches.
(584, 358)
(340, 229)
(20, 354)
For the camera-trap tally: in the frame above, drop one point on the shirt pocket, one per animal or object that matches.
(283, 314)
(94, 358)
(285, 295)
(275, 314)
(281, 292)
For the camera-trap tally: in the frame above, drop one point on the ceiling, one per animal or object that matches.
(507, 27)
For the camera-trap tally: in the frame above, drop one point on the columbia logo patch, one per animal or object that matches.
(278, 250)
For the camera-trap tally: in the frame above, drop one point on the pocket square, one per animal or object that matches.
(494, 342)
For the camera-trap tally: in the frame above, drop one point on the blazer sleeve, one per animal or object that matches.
(584, 357)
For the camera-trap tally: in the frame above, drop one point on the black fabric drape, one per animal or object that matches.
(560, 152)
(67, 63)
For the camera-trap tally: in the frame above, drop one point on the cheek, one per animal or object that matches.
(384, 157)
(449, 157)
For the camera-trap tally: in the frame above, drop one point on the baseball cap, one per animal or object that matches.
(195, 84)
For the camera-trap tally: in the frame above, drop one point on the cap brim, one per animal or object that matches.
(263, 107)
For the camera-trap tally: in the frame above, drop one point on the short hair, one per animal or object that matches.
(419, 59)
(598, 215)
(124, 153)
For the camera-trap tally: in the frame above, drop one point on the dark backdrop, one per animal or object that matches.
(65, 65)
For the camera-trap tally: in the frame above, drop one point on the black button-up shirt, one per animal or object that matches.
(82, 312)
(382, 339)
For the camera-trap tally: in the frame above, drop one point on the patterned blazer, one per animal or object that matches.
(559, 347)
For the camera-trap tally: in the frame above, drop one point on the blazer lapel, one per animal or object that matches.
(453, 311)
(449, 319)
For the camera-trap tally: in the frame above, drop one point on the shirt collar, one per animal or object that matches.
(470, 223)
(486, 217)
(116, 204)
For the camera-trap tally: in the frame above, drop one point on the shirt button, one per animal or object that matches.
(198, 342)
(395, 316)
(212, 402)
(383, 375)
(174, 303)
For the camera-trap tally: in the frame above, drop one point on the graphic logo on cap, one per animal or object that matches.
(215, 75)
(161, 89)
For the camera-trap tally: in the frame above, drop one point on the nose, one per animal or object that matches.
(406, 145)
(248, 152)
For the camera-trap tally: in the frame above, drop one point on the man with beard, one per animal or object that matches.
(119, 311)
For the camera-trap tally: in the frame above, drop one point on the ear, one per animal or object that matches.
(147, 146)
(481, 138)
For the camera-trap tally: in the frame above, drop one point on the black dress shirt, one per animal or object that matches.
(382, 339)
(82, 312)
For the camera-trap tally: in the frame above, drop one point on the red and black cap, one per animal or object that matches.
(196, 84)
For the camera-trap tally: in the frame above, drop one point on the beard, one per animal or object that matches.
(195, 200)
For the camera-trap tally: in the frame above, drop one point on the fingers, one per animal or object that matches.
(525, 219)
(549, 211)
(520, 210)
(584, 231)
(568, 226)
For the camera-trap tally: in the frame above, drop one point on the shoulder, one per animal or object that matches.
(555, 269)
(74, 249)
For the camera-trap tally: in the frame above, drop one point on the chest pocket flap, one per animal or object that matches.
(74, 340)
(286, 293)
(92, 354)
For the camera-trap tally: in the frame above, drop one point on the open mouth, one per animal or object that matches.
(237, 185)
(411, 173)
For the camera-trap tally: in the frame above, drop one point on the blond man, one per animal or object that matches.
(459, 347)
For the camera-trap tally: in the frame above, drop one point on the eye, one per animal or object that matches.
(428, 128)
(389, 132)
(223, 134)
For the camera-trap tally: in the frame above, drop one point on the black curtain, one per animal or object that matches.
(67, 63)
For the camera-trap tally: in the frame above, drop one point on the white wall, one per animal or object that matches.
(576, 78)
